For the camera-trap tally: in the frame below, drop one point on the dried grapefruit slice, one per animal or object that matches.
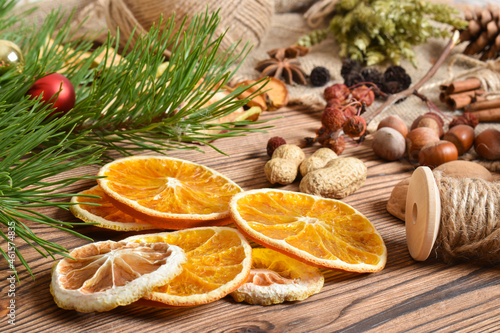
(168, 192)
(219, 260)
(108, 274)
(105, 214)
(276, 278)
(319, 231)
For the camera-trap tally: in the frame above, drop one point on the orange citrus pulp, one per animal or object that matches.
(319, 231)
(219, 260)
(167, 192)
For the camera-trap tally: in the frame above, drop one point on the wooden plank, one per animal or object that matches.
(405, 296)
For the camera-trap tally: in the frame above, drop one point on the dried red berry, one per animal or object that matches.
(363, 94)
(333, 118)
(466, 119)
(355, 126)
(350, 111)
(338, 90)
(274, 143)
(334, 102)
(337, 145)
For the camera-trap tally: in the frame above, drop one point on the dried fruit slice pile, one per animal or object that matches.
(276, 278)
(108, 274)
(167, 192)
(219, 260)
(319, 231)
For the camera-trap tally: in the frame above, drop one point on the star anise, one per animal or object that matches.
(282, 68)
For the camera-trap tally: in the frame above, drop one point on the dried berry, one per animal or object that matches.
(395, 80)
(338, 91)
(322, 134)
(309, 141)
(319, 76)
(350, 111)
(393, 73)
(465, 119)
(337, 145)
(373, 75)
(353, 78)
(333, 118)
(349, 66)
(334, 102)
(274, 143)
(363, 94)
(355, 126)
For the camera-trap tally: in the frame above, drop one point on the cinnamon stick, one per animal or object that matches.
(444, 97)
(458, 102)
(488, 115)
(483, 105)
(460, 86)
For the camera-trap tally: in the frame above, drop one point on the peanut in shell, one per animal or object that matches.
(339, 178)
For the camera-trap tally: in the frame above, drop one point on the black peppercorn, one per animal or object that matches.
(319, 76)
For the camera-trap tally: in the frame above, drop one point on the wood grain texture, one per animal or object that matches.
(406, 296)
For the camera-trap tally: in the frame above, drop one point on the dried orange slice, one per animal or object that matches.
(276, 278)
(104, 213)
(319, 231)
(168, 192)
(219, 260)
(108, 274)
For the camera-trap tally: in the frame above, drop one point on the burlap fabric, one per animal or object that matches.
(247, 21)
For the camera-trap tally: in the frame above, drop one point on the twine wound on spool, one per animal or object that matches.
(457, 219)
(470, 219)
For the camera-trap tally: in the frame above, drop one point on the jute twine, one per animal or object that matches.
(247, 21)
(470, 219)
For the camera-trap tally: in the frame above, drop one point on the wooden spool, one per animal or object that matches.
(423, 213)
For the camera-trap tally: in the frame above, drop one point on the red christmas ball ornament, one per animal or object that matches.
(48, 86)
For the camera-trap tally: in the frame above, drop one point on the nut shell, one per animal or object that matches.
(389, 144)
(418, 138)
(339, 178)
(290, 152)
(281, 171)
(487, 144)
(436, 153)
(462, 136)
(317, 160)
(395, 122)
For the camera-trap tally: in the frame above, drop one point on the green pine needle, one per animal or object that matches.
(124, 108)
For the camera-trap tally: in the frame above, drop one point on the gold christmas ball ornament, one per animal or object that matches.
(10, 56)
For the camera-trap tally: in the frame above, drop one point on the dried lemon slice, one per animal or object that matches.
(218, 262)
(105, 214)
(108, 274)
(276, 278)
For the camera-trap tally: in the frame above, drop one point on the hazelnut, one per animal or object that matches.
(394, 122)
(487, 144)
(431, 120)
(437, 153)
(418, 138)
(388, 144)
(462, 136)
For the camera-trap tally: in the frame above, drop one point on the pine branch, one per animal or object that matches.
(123, 108)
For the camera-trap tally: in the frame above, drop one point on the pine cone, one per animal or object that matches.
(483, 32)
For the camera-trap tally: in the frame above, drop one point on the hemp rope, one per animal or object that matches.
(487, 72)
(470, 219)
(317, 13)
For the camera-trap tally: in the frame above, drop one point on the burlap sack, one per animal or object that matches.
(244, 20)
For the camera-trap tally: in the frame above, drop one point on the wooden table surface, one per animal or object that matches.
(405, 296)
